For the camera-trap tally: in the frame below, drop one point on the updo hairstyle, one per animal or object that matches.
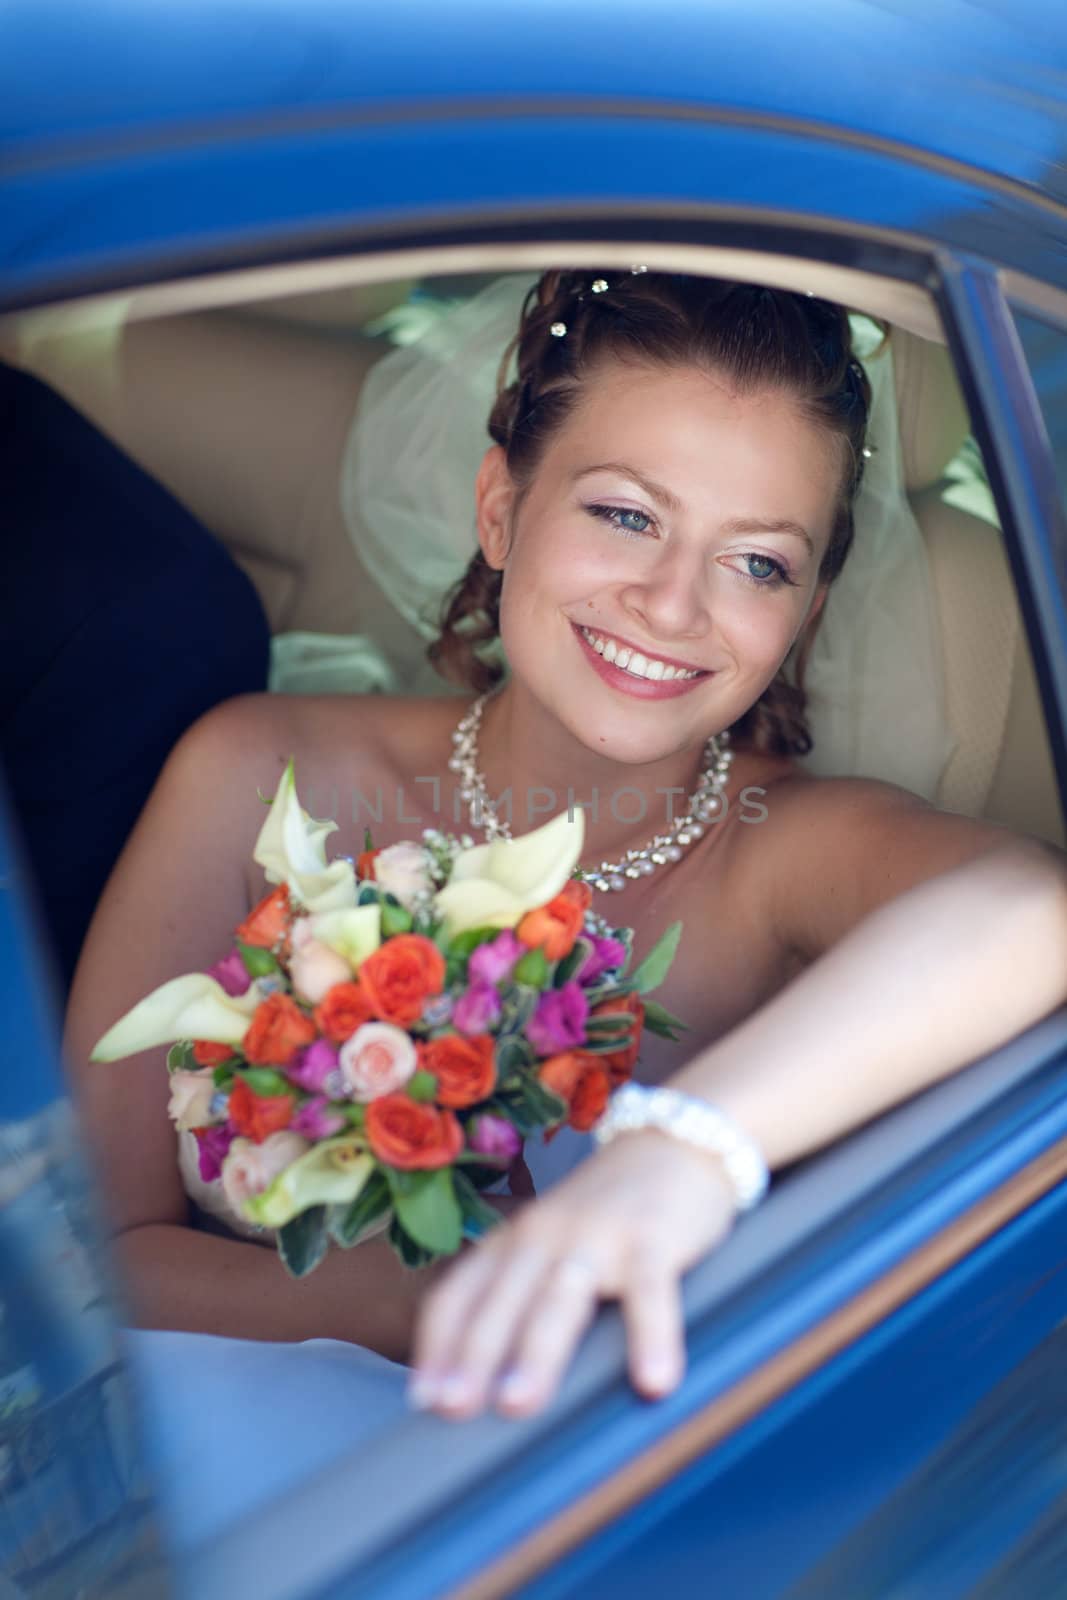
(756, 338)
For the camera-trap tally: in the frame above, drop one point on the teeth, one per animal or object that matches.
(633, 661)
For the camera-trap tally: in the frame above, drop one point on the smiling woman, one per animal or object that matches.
(666, 502)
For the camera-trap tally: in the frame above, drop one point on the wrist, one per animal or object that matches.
(696, 1124)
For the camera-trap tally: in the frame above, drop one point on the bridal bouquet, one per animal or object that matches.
(385, 1033)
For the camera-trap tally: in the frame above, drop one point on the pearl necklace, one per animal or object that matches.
(704, 803)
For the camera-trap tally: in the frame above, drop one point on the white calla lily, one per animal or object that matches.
(331, 1173)
(494, 885)
(191, 1007)
(354, 933)
(291, 849)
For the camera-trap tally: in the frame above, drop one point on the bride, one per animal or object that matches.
(666, 502)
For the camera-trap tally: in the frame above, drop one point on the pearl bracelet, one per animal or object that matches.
(688, 1117)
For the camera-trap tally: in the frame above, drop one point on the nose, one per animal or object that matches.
(671, 600)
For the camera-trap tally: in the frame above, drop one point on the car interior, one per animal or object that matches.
(213, 380)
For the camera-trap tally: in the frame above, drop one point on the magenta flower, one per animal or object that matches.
(315, 1120)
(604, 954)
(212, 1147)
(231, 973)
(559, 1021)
(313, 1066)
(493, 961)
(494, 1136)
(476, 1009)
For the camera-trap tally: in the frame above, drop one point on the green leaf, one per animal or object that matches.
(368, 895)
(426, 1207)
(222, 1077)
(530, 1105)
(395, 920)
(604, 1047)
(656, 965)
(368, 843)
(266, 1080)
(518, 1006)
(348, 1223)
(625, 937)
(478, 1215)
(659, 1020)
(180, 1057)
(422, 1085)
(532, 969)
(610, 1022)
(303, 1242)
(462, 945)
(572, 961)
(512, 1054)
(410, 1253)
(258, 962)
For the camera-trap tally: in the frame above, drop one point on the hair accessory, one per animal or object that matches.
(599, 285)
(558, 329)
(635, 270)
(867, 452)
(696, 1121)
(706, 804)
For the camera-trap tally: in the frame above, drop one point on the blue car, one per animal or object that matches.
(876, 1400)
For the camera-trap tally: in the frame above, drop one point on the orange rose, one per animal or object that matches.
(279, 1029)
(206, 1053)
(555, 926)
(266, 924)
(365, 863)
(257, 1116)
(412, 1134)
(342, 1010)
(401, 975)
(620, 1063)
(580, 1078)
(464, 1068)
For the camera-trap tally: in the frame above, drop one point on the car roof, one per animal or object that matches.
(980, 84)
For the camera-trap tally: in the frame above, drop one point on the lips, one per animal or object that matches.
(627, 683)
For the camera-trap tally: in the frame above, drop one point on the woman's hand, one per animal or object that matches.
(500, 1325)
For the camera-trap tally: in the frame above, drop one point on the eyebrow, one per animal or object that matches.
(672, 502)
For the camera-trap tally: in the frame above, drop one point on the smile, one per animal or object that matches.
(635, 662)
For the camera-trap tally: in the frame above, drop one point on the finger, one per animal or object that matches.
(566, 1305)
(444, 1310)
(655, 1324)
(490, 1332)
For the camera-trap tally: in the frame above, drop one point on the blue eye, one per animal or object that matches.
(611, 513)
(764, 571)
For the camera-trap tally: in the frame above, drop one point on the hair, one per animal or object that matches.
(758, 338)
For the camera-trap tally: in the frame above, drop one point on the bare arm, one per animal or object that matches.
(937, 939)
(170, 907)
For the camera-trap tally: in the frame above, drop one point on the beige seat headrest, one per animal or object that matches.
(930, 408)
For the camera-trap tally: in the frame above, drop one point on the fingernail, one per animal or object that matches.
(659, 1372)
(516, 1387)
(422, 1390)
(454, 1389)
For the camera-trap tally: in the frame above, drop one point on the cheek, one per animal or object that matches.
(758, 628)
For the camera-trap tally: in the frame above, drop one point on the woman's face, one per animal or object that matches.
(673, 517)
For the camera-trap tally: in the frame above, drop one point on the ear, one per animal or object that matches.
(494, 497)
(817, 604)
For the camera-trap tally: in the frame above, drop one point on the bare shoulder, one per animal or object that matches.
(828, 851)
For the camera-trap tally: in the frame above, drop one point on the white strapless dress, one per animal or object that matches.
(233, 1423)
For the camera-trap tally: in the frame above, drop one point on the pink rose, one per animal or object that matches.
(494, 1136)
(492, 962)
(250, 1168)
(477, 1009)
(314, 968)
(191, 1094)
(404, 870)
(231, 973)
(377, 1060)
